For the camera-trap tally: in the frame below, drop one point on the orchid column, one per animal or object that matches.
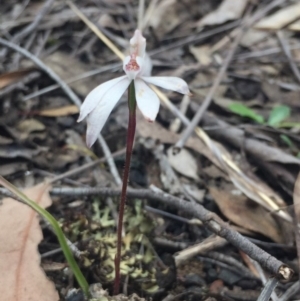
(100, 102)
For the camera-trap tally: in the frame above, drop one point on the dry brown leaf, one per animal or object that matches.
(245, 213)
(9, 78)
(253, 36)
(277, 95)
(228, 10)
(58, 112)
(202, 54)
(20, 235)
(281, 18)
(28, 126)
(184, 163)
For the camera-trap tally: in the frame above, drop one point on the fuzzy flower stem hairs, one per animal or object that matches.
(100, 102)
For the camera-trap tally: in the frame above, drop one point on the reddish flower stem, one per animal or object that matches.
(129, 146)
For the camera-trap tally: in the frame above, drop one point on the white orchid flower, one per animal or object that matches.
(99, 103)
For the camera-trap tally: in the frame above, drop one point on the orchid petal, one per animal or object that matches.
(170, 83)
(146, 99)
(146, 67)
(94, 97)
(99, 115)
(137, 44)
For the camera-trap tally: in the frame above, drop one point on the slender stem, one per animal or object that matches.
(129, 146)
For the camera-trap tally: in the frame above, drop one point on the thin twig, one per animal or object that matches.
(260, 53)
(210, 220)
(290, 292)
(79, 169)
(173, 216)
(45, 68)
(201, 248)
(265, 282)
(66, 89)
(73, 80)
(27, 45)
(268, 290)
(20, 84)
(34, 24)
(232, 262)
(226, 266)
(195, 38)
(286, 49)
(110, 160)
(95, 29)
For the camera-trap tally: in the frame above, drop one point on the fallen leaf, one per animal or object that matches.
(228, 10)
(184, 163)
(164, 17)
(281, 18)
(30, 125)
(27, 126)
(168, 177)
(20, 235)
(9, 78)
(243, 212)
(195, 192)
(277, 95)
(202, 54)
(59, 112)
(253, 36)
(279, 114)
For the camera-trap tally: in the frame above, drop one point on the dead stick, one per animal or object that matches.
(286, 50)
(210, 220)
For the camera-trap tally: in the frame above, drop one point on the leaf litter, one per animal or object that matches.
(259, 133)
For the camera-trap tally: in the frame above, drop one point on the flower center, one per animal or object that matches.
(132, 65)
